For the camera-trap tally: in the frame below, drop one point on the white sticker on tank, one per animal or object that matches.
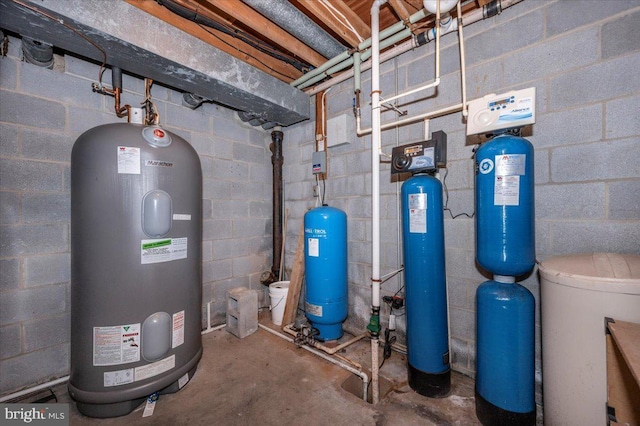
(181, 216)
(510, 164)
(183, 380)
(116, 345)
(178, 329)
(506, 191)
(163, 250)
(418, 221)
(128, 160)
(314, 247)
(418, 201)
(158, 367)
(315, 310)
(117, 378)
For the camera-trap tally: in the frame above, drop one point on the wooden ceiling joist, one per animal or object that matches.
(400, 8)
(322, 12)
(277, 35)
(224, 42)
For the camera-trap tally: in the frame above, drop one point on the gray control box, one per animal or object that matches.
(319, 162)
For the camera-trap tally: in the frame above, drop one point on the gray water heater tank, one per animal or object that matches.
(136, 292)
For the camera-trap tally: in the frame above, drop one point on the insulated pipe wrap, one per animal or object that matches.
(299, 25)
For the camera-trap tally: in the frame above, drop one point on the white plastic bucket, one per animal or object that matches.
(278, 296)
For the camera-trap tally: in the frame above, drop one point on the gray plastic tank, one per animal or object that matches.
(136, 292)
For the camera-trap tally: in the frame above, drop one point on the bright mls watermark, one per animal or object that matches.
(34, 414)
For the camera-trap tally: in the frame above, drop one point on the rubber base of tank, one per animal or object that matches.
(328, 331)
(428, 384)
(490, 414)
(123, 408)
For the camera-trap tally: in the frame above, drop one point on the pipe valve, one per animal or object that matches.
(374, 323)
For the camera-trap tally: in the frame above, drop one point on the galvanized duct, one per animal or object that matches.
(299, 25)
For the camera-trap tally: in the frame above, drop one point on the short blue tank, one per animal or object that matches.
(325, 248)
(505, 229)
(505, 354)
(425, 286)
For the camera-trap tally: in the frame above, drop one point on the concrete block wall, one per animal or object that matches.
(42, 112)
(583, 61)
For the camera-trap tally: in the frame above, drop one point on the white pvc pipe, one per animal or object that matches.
(463, 77)
(217, 327)
(56, 382)
(361, 374)
(474, 16)
(318, 345)
(436, 81)
(375, 187)
(34, 389)
(431, 114)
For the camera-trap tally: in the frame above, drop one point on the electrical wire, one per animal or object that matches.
(344, 21)
(243, 52)
(75, 30)
(324, 189)
(256, 43)
(388, 341)
(446, 199)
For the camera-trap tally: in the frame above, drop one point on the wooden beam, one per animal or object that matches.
(223, 42)
(268, 29)
(321, 11)
(415, 3)
(399, 7)
(321, 124)
(295, 282)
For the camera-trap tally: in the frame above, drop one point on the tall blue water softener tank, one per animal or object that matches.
(505, 228)
(136, 292)
(505, 246)
(325, 260)
(425, 286)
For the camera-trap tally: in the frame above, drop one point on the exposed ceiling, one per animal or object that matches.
(250, 29)
(239, 53)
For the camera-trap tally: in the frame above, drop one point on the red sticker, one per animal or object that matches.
(158, 133)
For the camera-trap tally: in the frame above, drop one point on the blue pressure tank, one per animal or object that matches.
(505, 230)
(325, 247)
(505, 246)
(425, 286)
(505, 354)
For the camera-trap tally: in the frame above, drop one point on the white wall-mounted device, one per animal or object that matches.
(516, 108)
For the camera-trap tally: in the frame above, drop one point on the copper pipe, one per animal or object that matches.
(121, 111)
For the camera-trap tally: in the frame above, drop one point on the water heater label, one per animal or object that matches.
(315, 310)
(116, 345)
(510, 164)
(163, 250)
(158, 367)
(506, 191)
(178, 329)
(128, 160)
(314, 247)
(117, 378)
(418, 213)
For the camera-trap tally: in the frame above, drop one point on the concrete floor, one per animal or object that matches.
(263, 379)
